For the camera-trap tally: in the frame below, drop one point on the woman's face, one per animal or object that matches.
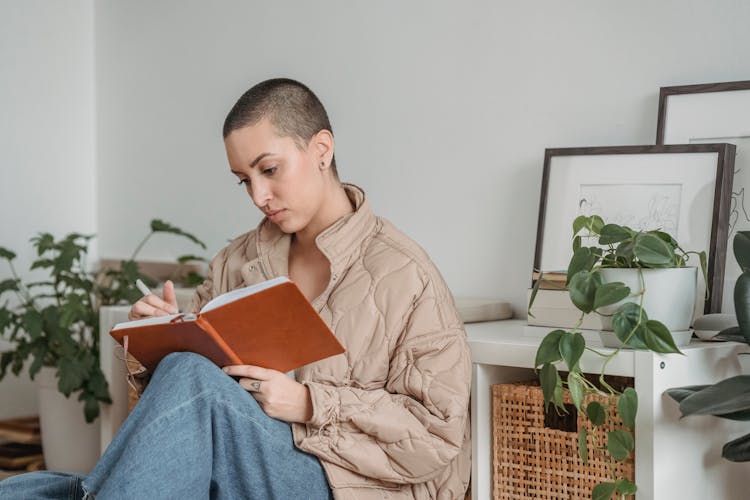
(284, 182)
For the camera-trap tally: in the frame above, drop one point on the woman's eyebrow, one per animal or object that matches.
(254, 162)
(258, 158)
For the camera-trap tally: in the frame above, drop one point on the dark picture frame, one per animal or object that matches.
(707, 113)
(692, 186)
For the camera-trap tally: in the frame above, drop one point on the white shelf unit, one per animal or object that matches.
(674, 459)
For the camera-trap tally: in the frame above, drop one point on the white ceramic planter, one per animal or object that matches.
(669, 294)
(70, 444)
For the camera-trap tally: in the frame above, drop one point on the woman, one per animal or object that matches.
(386, 419)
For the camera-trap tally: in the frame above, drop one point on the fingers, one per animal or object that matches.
(169, 295)
(250, 385)
(250, 371)
(151, 305)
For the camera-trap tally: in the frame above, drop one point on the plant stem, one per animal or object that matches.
(22, 290)
(140, 245)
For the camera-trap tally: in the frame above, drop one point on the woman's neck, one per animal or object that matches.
(337, 206)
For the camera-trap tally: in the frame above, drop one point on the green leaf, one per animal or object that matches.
(571, 348)
(6, 319)
(184, 259)
(9, 285)
(6, 254)
(610, 293)
(625, 486)
(579, 223)
(625, 250)
(582, 289)
(549, 348)
(680, 393)
(741, 247)
(596, 224)
(90, 408)
(619, 444)
(39, 354)
(658, 338)
(704, 270)
(194, 279)
(42, 264)
(159, 226)
(742, 303)
(650, 249)
(737, 450)
(583, 260)
(613, 233)
(595, 412)
(550, 381)
(726, 397)
(72, 374)
(577, 391)
(666, 237)
(630, 318)
(32, 323)
(6, 357)
(43, 242)
(576, 243)
(627, 405)
(603, 491)
(583, 449)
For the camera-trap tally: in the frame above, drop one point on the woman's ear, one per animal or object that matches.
(322, 142)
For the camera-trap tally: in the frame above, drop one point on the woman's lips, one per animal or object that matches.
(274, 215)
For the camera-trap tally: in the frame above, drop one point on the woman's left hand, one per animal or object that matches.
(280, 396)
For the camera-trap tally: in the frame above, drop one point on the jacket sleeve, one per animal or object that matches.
(411, 429)
(207, 290)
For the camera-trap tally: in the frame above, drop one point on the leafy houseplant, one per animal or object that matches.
(729, 398)
(55, 321)
(616, 247)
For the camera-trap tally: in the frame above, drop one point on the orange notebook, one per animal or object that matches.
(270, 324)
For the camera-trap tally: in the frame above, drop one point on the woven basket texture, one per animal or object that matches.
(531, 460)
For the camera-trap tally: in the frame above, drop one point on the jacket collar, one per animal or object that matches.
(341, 242)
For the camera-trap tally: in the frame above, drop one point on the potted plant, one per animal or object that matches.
(54, 323)
(729, 398)
(595, 285)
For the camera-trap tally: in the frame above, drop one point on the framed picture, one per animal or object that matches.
(684, 190)
(708, 113)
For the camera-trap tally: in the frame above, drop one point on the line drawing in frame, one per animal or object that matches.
(710, 113)
(685, 186)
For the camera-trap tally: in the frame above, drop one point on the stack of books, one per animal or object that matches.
(552, 306)
(20, 446)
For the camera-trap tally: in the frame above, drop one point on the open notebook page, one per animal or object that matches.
(212, 304)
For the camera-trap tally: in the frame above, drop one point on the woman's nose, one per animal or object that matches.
(260, 193)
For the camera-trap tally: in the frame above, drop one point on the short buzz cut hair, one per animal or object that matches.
(291, 107)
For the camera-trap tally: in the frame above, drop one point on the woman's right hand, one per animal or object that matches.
(153, 305)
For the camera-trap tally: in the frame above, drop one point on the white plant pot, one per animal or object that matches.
(70, 444)
(669, 294)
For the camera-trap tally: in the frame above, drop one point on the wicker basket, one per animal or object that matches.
(531, 460)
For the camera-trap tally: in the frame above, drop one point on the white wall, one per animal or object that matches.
(441, 110)
(46, 138)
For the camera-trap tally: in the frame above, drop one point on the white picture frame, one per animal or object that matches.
(683, 189)
(709, 113)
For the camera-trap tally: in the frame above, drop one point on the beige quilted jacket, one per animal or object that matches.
(390, 415)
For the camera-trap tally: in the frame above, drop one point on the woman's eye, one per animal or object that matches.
(243, 181)
(269, 170)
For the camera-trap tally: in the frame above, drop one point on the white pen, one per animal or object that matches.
(142, 287)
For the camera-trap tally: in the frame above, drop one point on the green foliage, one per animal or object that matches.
(55, 322)
(616, 246)
(729, 398)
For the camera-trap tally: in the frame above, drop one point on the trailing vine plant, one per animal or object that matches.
(616, 246)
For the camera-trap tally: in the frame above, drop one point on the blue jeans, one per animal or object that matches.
(195, 433)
